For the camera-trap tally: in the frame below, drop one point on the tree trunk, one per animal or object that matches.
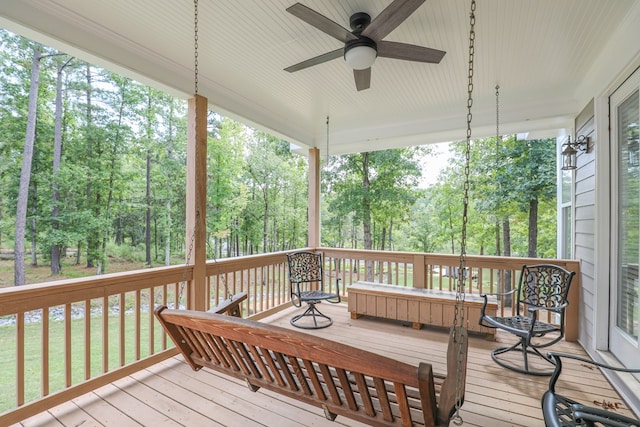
(498, 249)
(56, 265)
(93, 203)
(167, 236)
(34, 256)
(533, 228)
(25, 173)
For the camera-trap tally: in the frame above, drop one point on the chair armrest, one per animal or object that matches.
(557, 359)
(556, 309)
(485, 298)
(495, 294)
(608, 418)
(586, 415)
(328, 275)
(557, 355)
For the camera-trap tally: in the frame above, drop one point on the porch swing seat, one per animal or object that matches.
(339, 378)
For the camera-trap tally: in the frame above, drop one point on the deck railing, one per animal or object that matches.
(59, 340)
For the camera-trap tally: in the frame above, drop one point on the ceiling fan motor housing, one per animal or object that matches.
(359, 21)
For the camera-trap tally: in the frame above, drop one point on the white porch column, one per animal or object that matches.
(196, 200)
(314, 198)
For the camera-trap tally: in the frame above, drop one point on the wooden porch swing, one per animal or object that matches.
(341, 379)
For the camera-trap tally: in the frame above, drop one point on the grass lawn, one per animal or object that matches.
(33, 350)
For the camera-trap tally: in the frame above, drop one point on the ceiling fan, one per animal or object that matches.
(364, 43)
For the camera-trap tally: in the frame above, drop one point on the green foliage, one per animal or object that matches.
(112, 127)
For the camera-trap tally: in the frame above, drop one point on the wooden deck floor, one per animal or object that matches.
(171, 394)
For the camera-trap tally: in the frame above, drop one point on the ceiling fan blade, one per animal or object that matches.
(316, 60)
(392, 16)
(321, 22)
(362, 78)
(409, 52)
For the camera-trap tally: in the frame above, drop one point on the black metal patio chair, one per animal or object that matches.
(307, 285)
(560, 411)
(541, 287)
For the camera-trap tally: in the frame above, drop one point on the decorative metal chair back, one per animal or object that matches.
(543, 287)
(306, 268)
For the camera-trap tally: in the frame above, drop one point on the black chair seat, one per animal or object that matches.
(561, 411)
(520, 325)
(541, 287)
(316, 295)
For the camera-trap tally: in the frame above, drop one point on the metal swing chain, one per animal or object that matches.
(458, 318)
(195, 46)
(497, 113)
(326, 160)
(186, 261)
(195, 84)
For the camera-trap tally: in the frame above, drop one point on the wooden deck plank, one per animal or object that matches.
(103, 412)
(268, 407)
(41, 420)
(207, 399)
(73, 415)
(136, 386)
(139, 412)
(171, 394)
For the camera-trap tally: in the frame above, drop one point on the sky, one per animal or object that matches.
(434, 163)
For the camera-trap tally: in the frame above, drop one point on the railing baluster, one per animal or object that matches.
(20, 358)
(137, 326)
(87, 339)
(45, 351)
(67, 344)
(151, 322)
(122, 328)
(105, 334)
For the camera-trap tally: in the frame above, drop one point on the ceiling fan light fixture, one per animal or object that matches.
(360, 54)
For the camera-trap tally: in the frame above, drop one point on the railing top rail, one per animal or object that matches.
(49, 294)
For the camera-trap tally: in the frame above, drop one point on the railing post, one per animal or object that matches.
(572, 316)
(196, 200)
(313, 231)
(419, 276)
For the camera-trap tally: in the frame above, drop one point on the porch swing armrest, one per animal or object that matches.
(231, 305)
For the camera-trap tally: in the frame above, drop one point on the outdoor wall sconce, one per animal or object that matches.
(570, 151)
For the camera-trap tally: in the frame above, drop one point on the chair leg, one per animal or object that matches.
(526, 351)
(313, 312)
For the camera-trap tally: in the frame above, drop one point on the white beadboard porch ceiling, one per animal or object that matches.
(542, 53)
